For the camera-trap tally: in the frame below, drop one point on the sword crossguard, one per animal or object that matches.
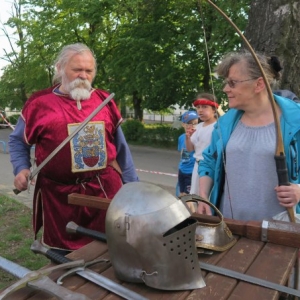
(81, 268)
(73, 271)
(68, 265)
(40, 281)
(96, 261)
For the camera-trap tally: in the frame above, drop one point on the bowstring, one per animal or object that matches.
(217, 115)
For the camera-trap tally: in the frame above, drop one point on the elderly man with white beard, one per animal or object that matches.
(97, 161)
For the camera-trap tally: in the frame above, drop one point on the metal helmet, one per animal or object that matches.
(213, 236)
(151, 238)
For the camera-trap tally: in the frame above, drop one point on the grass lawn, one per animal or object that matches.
(16, 238)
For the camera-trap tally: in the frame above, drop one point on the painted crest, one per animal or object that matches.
(88, 147)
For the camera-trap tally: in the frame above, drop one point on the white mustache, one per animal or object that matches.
(80, 83)
(80, 89)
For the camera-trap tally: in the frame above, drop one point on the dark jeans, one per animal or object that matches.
(184, 181)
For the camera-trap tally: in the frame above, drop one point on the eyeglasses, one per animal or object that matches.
(232, 83)
(191, 125)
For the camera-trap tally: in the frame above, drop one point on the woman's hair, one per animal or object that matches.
(270, 65)
(218, 110)
(64, 56)
(207, 96)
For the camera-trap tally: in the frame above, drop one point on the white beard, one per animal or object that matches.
(79, 89)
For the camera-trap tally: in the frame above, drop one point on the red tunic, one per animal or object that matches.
(49, 118)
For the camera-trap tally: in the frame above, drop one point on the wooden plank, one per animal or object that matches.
(22, 294)
(274, 263)
(238, 258)
(279, 232)
(152, 293)
(90, 201)
(274, 260)
(89, 252)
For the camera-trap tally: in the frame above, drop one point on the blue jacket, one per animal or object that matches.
(212, 164)
(187, 159)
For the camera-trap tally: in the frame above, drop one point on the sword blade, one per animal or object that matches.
(13, 268)
(110, 285)
(249, 279)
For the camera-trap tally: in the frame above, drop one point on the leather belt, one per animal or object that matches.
(114, 164)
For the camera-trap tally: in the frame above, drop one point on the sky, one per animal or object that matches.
(5, 13)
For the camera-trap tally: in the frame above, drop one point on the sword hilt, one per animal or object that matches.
(16, 191)
(283, 179)
(72, 227)
(29, 178)
(38, 248)
(90, 275)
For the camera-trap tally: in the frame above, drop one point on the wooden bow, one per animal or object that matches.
(280, 159)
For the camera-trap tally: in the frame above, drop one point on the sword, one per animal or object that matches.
(88, 274)
(38, 280)
(2, 116)
(65, 141)
(72, 227)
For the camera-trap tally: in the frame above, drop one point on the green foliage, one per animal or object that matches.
(152, 49)
(13, 119)
(161, 135)
(164, 44)
(133, 130)
(151, 134)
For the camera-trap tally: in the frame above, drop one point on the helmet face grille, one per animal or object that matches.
(181, 245)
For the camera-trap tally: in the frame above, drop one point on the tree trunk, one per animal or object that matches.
(274, 29)
(138, 112)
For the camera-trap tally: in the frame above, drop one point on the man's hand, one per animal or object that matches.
(21, 180)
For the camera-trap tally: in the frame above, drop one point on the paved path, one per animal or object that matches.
(145, 158)
(6, 173)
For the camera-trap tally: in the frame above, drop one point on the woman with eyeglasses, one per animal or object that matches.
(238, 172)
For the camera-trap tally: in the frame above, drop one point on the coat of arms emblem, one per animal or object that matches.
(88, 147)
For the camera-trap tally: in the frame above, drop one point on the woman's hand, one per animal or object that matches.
(203, 209)
(288, 195)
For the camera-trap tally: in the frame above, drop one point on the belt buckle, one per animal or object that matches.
(81, 181)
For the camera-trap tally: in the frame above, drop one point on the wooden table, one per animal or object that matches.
(268, 261)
